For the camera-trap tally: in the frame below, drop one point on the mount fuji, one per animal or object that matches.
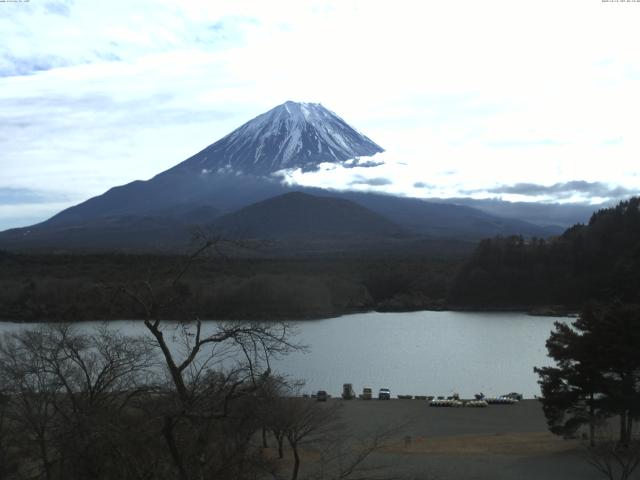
(236, 170)
(292, 135)
(241, 169)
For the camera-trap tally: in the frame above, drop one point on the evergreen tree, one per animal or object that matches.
(597, 372)
(599, 261)
(569, 390)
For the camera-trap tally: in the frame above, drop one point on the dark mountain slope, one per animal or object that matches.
(172, 195)
(441, 219)
(303, 215)
(562, 215)
(121, 233)
(236, 171)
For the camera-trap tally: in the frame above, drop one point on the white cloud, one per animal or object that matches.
(499, 92)
(22, 215)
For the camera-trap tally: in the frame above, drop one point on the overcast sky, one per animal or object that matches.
(524, 100)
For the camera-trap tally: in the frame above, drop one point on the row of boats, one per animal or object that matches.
(477, 403)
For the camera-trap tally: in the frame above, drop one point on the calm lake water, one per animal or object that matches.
(418, 353)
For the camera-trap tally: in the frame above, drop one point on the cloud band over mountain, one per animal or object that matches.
(562, 190)
(372, 182)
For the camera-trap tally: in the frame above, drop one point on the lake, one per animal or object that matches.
(417, 353)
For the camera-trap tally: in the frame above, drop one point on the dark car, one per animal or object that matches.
(347, 392)
(384, 394)
(322, 396)
(513, 395)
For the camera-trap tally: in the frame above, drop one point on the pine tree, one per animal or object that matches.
(597, 372)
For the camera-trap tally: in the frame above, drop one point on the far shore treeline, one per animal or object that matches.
(599, 261)
(89, 287)
(596, 261)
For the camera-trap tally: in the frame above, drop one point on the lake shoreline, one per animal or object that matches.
(420, 353)
(533, 311)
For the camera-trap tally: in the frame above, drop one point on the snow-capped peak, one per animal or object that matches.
(291, 135)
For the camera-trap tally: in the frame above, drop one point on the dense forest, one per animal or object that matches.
(82, 287)
(597, 261)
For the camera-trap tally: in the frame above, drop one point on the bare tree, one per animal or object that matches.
(7, 464)
(215, 372)
(69, 390)
(316, 427)
(344, 457)
(31, 392)
(306, 419)
(271, 411)
(95, 405)
(611, 457)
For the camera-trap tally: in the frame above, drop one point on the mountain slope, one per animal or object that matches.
(444, 219)
(304, 215)
(119, 233)
(171, 195)
(236, 171)
(544, 214)
(292, 135)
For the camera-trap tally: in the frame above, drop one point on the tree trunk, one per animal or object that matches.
(174, 371)
(264, 437)
(623, 429)
(280, 440)
(592, 425)
(296, 462)
(45, 456)
(167, 431)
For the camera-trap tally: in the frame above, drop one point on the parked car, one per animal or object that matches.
(347, 392)
(513, 395)
(322, 396)
(367, 394)
(384, 394)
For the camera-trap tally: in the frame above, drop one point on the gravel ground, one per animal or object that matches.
(496, 442)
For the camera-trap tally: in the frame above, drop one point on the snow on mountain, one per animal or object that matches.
(291, 135)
